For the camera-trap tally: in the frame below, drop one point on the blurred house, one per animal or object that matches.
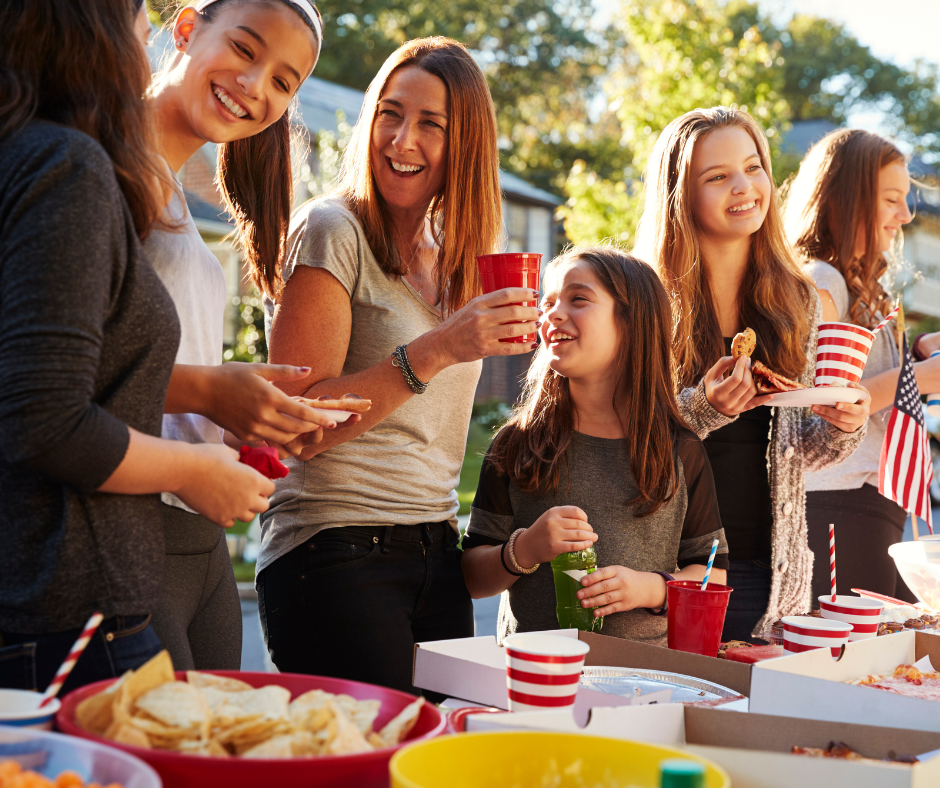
(919, 277)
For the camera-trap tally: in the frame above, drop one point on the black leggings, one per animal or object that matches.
(352, 602)
(867, 524)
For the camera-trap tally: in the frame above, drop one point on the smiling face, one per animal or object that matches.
(239, 71)
(891, 211)
(408, 146)
(729, 188)
(578, 325)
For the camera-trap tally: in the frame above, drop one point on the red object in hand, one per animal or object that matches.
(264, 460)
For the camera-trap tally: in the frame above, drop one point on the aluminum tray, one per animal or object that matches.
(629, 683)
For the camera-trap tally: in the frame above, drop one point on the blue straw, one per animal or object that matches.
(711, 560)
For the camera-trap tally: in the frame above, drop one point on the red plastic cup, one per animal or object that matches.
(511, 269)
(696, 617)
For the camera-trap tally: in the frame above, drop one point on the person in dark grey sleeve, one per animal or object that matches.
(595, 453)
(89, 338)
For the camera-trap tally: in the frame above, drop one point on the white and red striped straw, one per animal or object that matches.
(71, 659)
(832, 558)
(884, 322)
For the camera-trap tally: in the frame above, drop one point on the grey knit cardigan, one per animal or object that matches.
(800, 441)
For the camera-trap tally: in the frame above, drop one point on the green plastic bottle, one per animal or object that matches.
(680, 773)
(568, 569)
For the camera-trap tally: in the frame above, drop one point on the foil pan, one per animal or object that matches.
(633, 683)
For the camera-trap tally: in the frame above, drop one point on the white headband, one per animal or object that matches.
(303, 5)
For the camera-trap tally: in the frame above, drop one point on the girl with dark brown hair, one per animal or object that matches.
(596, 452)
(235, 68)
(711, 229)
(844, 212)
(381, 297)
(90, 336)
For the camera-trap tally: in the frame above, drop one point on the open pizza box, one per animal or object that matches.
(753, 748)
(474, 669)
(812, 684)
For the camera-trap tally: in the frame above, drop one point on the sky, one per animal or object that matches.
(898, 30)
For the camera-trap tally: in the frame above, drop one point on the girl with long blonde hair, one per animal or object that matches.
(712, 230)
(381, 297)
(844, 212)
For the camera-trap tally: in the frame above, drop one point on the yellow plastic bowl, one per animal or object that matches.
(536, 759)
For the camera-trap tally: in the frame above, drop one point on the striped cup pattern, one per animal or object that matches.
(543, 671)
(862, 613)
(804, 633)
(841, 353)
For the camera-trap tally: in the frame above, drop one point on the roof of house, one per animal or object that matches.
(208, 218)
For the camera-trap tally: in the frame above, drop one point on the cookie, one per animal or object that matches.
(744, 343)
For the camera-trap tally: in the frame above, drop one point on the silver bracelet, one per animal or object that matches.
(400, 360)
(510, 548)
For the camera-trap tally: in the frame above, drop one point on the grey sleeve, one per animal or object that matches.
(829, 279)
(64, 247)
(491, 517)
(330, 239)
(698, 411)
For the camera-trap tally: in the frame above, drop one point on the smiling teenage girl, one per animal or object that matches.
(595, 453)
(711, 228)
(844, 213)
(236, 67)
(359, 558)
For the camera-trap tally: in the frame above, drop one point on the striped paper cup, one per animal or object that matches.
(543, 671)
(841, 353)
(804, 633)
(862, 613)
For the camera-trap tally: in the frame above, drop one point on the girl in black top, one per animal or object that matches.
(90, 336)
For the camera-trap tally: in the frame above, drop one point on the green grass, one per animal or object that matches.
(477, 442)
(244, 572)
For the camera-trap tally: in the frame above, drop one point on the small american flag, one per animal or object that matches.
(906, 469)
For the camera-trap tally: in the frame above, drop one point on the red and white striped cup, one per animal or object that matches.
(543, 671)
(804, 633)
(841, 353)
(862, 613)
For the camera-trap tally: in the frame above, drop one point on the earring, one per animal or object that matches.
(179, 44)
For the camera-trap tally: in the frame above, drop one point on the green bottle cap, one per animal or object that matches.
(680, 773)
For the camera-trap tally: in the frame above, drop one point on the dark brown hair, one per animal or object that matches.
(466, 216)
(533, 444)
(834, 194)
(255, 178)
(80, 64)
(776, 296)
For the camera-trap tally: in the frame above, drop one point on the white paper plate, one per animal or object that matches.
(826, 395)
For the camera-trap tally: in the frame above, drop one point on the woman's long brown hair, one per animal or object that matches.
(834, 194)
(466, 216)
(79, 63)
(256, 179)
(776, 296)
(532, 447)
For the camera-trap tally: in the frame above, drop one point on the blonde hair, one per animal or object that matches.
(466, 216)
(775, 294)
(834, 194)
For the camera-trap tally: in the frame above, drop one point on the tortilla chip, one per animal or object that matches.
(150, 675)
(362, 713)
(95, 713)
(129, 734)
(399, 727)
(177, 705)
(270, 702)
(376, 741)
(223, 683)
(298, 744)
(211, 747)
(346, 738)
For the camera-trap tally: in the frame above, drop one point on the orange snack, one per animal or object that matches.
(12, 775)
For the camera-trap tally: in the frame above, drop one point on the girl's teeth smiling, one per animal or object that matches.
(560, 336)
(229, 103)
(743, 207)
(407, 169)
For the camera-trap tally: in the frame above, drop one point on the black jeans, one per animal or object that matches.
(120, 643)
(352, 602)
(748, 602)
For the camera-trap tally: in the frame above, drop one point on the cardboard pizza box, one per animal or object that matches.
(753, 748)
(813, 684)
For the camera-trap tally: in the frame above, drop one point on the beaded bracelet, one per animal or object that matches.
(512, 555)
(400, 360)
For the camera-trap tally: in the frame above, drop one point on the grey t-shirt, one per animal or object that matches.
(406, 468)
(194, 279)
(862, 467)
(601, 483)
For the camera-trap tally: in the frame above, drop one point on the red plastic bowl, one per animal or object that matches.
(330, 771)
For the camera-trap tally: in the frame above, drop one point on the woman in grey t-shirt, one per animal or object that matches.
(358, 557)
(844, 213)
